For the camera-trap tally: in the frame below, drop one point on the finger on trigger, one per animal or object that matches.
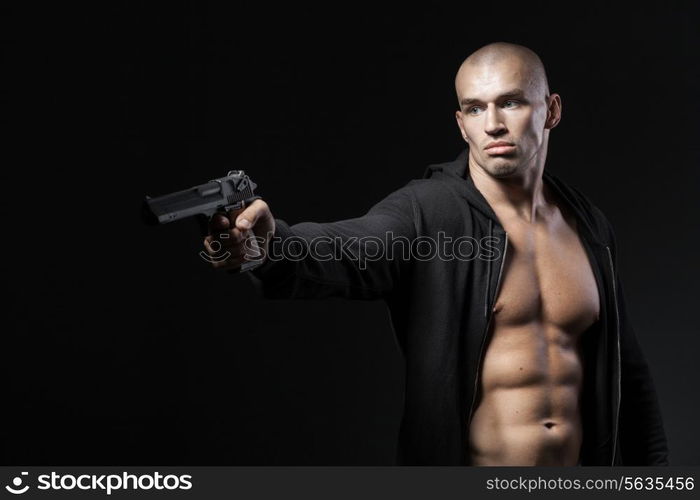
(218, 222)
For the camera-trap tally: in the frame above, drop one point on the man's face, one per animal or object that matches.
(502, 104)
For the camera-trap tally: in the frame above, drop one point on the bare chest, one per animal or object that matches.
(547, 278)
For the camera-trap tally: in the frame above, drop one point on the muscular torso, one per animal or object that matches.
(529, 395)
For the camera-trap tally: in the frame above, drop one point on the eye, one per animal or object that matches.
(474, 110)
(510, 103)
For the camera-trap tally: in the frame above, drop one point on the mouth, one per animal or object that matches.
(500, 148)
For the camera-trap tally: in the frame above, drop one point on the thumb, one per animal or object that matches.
(248, 217)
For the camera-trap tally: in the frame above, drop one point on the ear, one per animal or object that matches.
(553, 111)
(458, 117)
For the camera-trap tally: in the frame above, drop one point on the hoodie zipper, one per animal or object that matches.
(619, 364)
(485, 334)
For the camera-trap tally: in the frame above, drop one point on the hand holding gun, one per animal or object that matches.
(237, 223)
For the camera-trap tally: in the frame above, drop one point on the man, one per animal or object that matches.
(524, 355)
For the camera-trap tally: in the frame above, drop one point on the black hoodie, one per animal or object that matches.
(440, 308)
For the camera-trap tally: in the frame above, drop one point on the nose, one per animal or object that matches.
(494, 125)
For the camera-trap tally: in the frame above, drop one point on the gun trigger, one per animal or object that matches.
(234, 206)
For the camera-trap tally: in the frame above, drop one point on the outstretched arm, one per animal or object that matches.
(360, 258)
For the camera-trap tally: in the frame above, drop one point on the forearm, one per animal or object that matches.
(354, 258)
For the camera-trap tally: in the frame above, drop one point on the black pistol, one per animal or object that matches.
(235, 191)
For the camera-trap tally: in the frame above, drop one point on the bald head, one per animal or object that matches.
(503, 53)
(505, 109)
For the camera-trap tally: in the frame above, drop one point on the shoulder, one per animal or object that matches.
(592, 214)
(441, 185)
(428, 189)
(437, 197)
(421, 194)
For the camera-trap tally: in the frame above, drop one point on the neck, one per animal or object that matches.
(520, 195)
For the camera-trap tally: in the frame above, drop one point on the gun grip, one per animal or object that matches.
(254, 249)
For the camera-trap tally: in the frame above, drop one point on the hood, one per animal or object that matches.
(456, 174)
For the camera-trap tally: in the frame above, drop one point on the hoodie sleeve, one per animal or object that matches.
(642, 435)
(361, 258)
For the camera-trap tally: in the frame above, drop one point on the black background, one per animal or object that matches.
(121, 346)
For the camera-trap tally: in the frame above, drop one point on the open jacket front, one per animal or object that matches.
(440, 309)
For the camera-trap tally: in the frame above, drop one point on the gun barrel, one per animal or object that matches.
(205, 199)
(182, 204)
